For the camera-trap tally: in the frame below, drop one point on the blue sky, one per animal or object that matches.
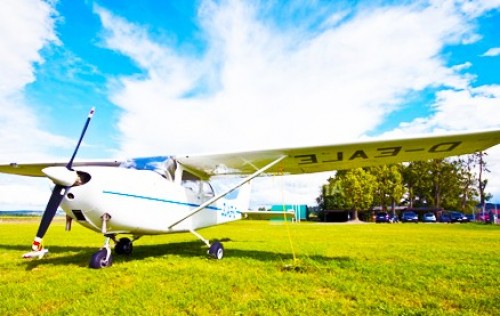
(169, 77)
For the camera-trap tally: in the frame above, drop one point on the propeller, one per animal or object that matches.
(63, 178)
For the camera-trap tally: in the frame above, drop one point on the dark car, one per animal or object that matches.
(382, 217)
(409, 216)
(457, 217)
(445, 218)
(453, 217)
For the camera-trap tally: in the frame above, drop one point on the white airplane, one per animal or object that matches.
(171, 194)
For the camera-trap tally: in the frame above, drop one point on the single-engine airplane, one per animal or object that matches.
(171, 194)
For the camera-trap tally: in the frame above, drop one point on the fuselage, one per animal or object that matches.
(144, 202)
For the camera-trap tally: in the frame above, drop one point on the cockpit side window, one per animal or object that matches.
(207, 189)
(199, 187)
(191, 185)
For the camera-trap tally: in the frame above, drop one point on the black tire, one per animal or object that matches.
(216, 250)
(123, 246)
(98, 260)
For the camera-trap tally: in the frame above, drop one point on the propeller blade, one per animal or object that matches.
(63, 178)
(89, 117)
(49, 213)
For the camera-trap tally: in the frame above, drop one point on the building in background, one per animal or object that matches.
(301, 211)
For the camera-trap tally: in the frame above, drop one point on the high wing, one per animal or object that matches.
(307, 159)
(340, 156)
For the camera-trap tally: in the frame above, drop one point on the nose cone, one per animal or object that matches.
(61, 175)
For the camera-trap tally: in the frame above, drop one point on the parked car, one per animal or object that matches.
(429, 218)
(444, 218)
(458, 217)
(453, 217)
(488, 212)
(382, 217)
(409, 216)
(483, 217)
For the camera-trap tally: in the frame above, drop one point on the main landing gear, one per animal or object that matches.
(124, 246)
(215, 250)
(103, 258)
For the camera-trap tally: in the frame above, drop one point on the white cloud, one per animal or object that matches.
(285, 87)
(273, 87)
(457, 110)
(474, 9)
(492, 52)
(26, 27)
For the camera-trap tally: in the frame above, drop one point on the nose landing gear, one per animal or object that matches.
(103, 258)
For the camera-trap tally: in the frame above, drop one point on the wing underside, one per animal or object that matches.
(308, 159)
(343, 156)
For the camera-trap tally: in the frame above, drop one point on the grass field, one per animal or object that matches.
(365, 269)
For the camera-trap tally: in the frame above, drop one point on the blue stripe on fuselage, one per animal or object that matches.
(159, 200)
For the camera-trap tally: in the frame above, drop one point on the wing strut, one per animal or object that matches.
(221, 195)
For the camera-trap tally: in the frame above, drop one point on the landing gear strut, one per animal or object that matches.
(102, 258)
(215, 250)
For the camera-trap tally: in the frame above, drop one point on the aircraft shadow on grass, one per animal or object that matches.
(80, 256)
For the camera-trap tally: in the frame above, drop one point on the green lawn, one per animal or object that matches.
(397, 269)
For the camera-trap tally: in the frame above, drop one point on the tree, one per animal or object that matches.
(389, 187)
(468, 183)
(482, 183)
(445, 184)
(446, 189)
(358, 188)
(436, 183)
(333, 198)
(417, 180)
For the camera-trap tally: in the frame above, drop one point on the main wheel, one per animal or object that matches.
(216, 250)
(123, 246)
(98, 260)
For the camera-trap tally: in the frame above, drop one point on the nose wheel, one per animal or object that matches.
(102, 258)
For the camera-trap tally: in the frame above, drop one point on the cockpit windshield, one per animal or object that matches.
(164, 165)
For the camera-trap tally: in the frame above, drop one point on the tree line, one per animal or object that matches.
(456, 183)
